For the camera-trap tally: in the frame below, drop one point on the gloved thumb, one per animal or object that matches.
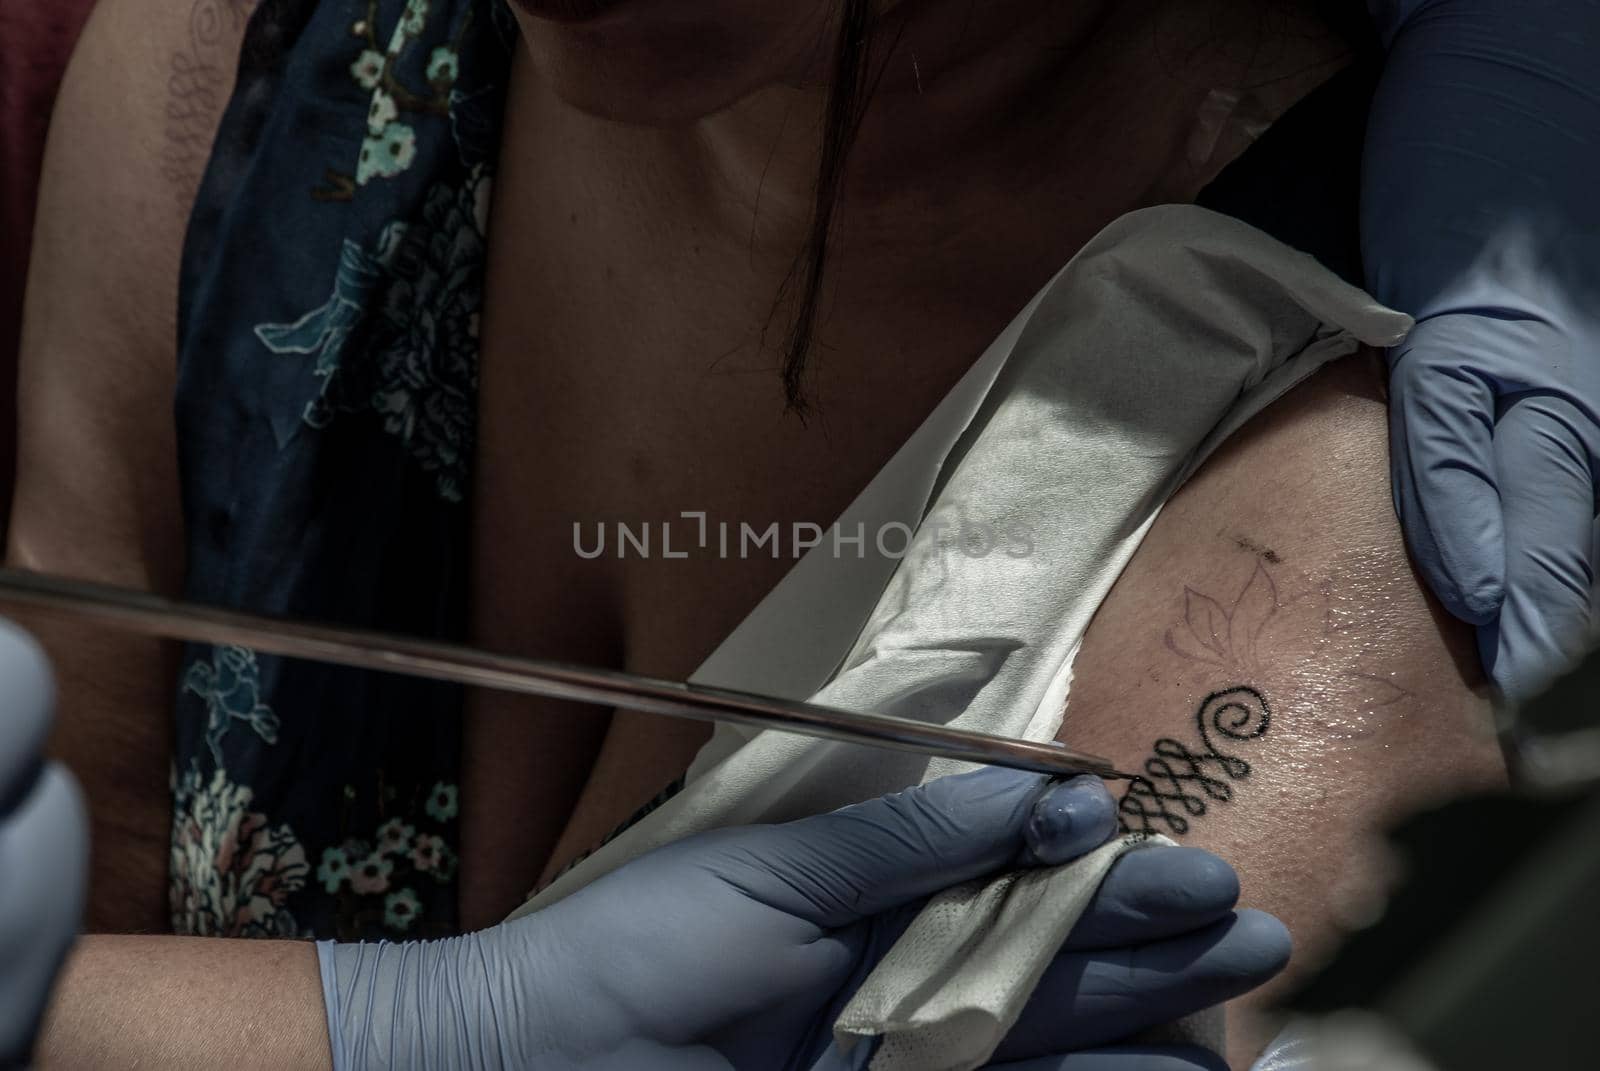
(835, 869)
(44, 872)
(28, 698)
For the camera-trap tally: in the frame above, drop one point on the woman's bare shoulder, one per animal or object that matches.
(140, 105)
(1280, 566)
(1271, 664)
(130, 135)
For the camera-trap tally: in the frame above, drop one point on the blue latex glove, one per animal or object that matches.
(1481, 218)
(44, 847)
(737, 948)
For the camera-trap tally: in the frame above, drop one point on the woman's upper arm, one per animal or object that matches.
(1269, 661)
(97, 489)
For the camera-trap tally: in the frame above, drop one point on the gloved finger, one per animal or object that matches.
(1548, 497)
(1156, 892)
(834, 869)
(1408, 507)
(1094, 998)
(1442, 430)
(631, 1054)
(44, 861)
(1124, 1058)
(1594, 588)
(28, 692)
(1070, 819)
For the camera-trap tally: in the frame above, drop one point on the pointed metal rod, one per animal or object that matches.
(152, 615)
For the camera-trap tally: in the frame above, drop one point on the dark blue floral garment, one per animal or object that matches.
(327, 381)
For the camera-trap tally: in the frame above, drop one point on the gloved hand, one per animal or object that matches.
(1480, 218)
(737, 948)
(44, 847)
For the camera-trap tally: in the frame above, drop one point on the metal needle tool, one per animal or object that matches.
(153, 615)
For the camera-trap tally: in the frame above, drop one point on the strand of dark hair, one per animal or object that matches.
(847, 98)
(849, 91)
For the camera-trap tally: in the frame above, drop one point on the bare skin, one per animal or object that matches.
(1280, 568)
(187, 1004)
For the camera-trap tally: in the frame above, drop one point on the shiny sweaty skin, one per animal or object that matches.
(1272, 603)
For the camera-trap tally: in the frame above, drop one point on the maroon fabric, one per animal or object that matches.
(36, 37)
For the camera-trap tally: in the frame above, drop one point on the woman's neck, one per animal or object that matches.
(941, 84)
(985, 156)
(962, 96)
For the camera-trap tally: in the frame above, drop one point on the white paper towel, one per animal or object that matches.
(962, 947)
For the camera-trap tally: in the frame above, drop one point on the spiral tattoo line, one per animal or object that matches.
(1179, 782)
(199, 79)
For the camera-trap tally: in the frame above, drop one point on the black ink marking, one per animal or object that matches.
(198, 80)
(1178, 781)
(1266, 554)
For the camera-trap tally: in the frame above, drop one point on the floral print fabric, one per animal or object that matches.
(233, 871)
(327, 390)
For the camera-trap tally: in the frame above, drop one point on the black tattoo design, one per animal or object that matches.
(1178, 780)
(1235, 640)
(198, 82)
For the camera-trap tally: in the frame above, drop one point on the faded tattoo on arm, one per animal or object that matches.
(199, 80)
